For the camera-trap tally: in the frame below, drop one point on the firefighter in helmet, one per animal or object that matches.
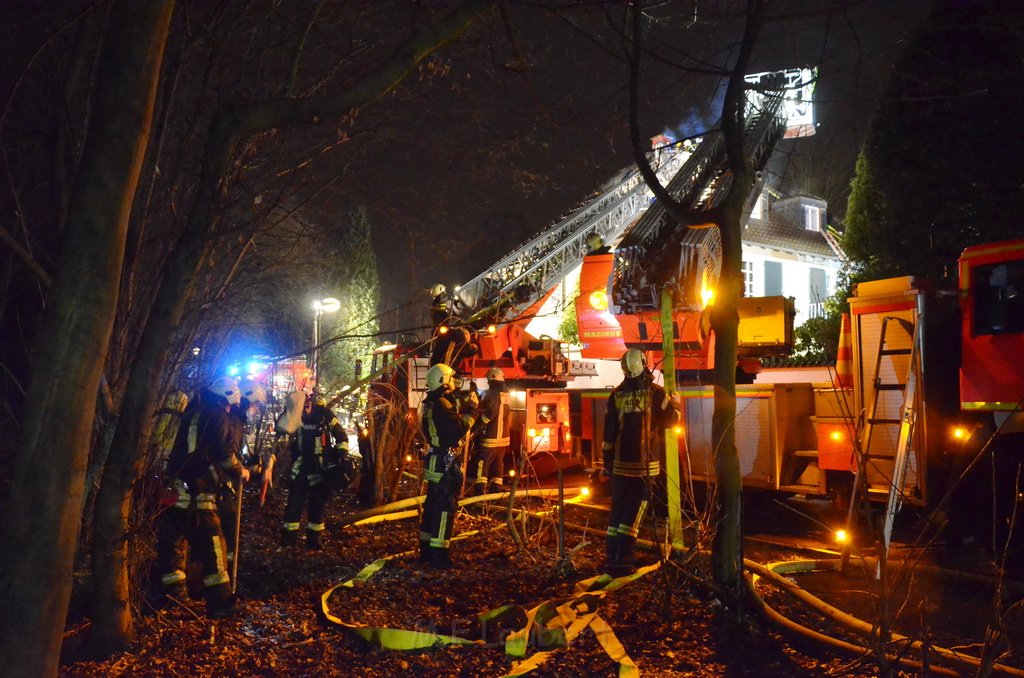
(491, 431)
(440, 304)
(638, 413)
(595, 244)
(205, 455)
(319, 465)
(445, 422)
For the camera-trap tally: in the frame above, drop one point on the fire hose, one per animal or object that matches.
(772, 573)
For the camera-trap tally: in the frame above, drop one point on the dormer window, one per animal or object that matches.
(814, 218)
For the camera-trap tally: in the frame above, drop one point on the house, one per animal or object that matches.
(788, 251)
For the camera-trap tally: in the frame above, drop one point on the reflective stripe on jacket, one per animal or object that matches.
(495, 416)
(634, 427)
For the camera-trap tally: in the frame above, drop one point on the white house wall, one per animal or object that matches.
(796, 276)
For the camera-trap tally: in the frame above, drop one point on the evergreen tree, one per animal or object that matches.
(941, 169)
(353, 333)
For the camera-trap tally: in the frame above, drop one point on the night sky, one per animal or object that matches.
(495, 137)
(522, 142)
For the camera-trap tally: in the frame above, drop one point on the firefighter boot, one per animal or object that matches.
(289, 537)
(627, 563)
(166, 593)
(313, 542)
(439, 558)
(194, 579)
(220, 602)
(611, 546)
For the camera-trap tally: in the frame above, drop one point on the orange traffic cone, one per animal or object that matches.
(844, 355)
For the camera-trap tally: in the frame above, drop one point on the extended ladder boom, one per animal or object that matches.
(659, 249)
(697, 178)
(521, 277)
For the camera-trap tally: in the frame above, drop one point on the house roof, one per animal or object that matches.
(781, 233)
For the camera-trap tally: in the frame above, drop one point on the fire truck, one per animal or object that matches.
(932, 373)
(924, 406)
(929, 375)
(500, 303)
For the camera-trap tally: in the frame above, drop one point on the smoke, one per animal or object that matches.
(700, 118)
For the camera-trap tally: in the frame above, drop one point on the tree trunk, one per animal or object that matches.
(44, 514)
(727, 550)
(113, 622)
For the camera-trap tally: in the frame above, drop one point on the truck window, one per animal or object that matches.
(998, 296)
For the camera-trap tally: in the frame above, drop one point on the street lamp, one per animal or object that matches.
(320, 306)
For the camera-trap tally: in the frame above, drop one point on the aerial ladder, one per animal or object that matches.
(696, 173)
(657, 253)
(659, 249)
(516, 281)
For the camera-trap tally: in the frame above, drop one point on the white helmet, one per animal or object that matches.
(437, 290)
(440, 376)
(228, 389)
(253, 392)
(633, 363)
(495, 374)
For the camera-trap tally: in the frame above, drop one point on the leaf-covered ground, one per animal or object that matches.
(667, 622)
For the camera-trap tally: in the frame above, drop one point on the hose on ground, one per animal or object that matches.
(772, 573)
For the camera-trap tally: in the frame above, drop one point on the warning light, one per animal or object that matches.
(532, 433)
(511, 473)
(836, 436)
(678, 430)
(491, 329)
(707, 295)
(599, 300)
(842, 537)
(585, 491)
(408, 457)
(960, 433)
(442, 329)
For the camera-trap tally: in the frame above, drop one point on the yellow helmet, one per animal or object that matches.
(633, 363)
(440, 376)
(437, 290)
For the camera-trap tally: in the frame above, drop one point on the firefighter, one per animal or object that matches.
(491, 430)
(319, 465)
(595, 245)
(445, 423)
(451, 345)
(440, 305)
(205, 455)
(638, 413)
